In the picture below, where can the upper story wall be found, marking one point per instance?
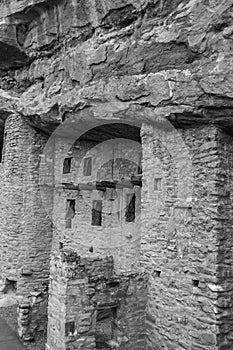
(77, 226)
(108, 161)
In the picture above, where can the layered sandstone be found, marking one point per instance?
(172, 57)
(142, 62)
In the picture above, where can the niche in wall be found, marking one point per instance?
(70, 328)
(10, 286)
(158, 184)
(105, 326)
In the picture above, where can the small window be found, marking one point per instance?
(70, 328)
(87, 166)
(130, 208)
(70, 212)
(139, 170)
(2, 140)
(158, 184)
(1, 150)
(97, 213)
(67, 165)
(195, 283)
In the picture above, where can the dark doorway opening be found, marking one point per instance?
(130, 208)
(96, 213)
(105, 326)
(70, 212)
(2, 137)
(67, 165)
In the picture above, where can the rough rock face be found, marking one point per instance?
(174, 57)
(139, 61)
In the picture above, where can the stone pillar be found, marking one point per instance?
(14, 182)
(26, 234)
(187, 238)
(37, 223)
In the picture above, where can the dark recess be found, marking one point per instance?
(119, 18)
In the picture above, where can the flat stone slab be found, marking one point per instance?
(8, 338)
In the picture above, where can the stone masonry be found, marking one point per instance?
(116, 157)
(86, 287)
(186, 239)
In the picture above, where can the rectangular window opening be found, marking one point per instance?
(2, 139)
(139, 170)
(67, 165)
(70, 212)
(195, 283)
(96, 213)
(70, 328)
(130, 207)
(87, 166)
(1, 150)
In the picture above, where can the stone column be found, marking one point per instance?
(26, 233)
(14, 182)
(27, 229)
(186, 237)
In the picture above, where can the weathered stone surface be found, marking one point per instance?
(85, 48)
(79, 64)
(184, 237)
(84, 287)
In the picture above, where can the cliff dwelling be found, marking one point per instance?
(116, 175)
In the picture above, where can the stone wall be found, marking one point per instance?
(32, 316)
(185, 244)
(12, 195)
(26, 229)
(182, 244)
(223, 221)
(115, 236)
(144, 60)
(90, 307)
(26, 234)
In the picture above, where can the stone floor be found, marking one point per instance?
(8, 338)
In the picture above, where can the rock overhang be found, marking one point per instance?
(165, 61)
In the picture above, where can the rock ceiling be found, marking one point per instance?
(132, 60)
